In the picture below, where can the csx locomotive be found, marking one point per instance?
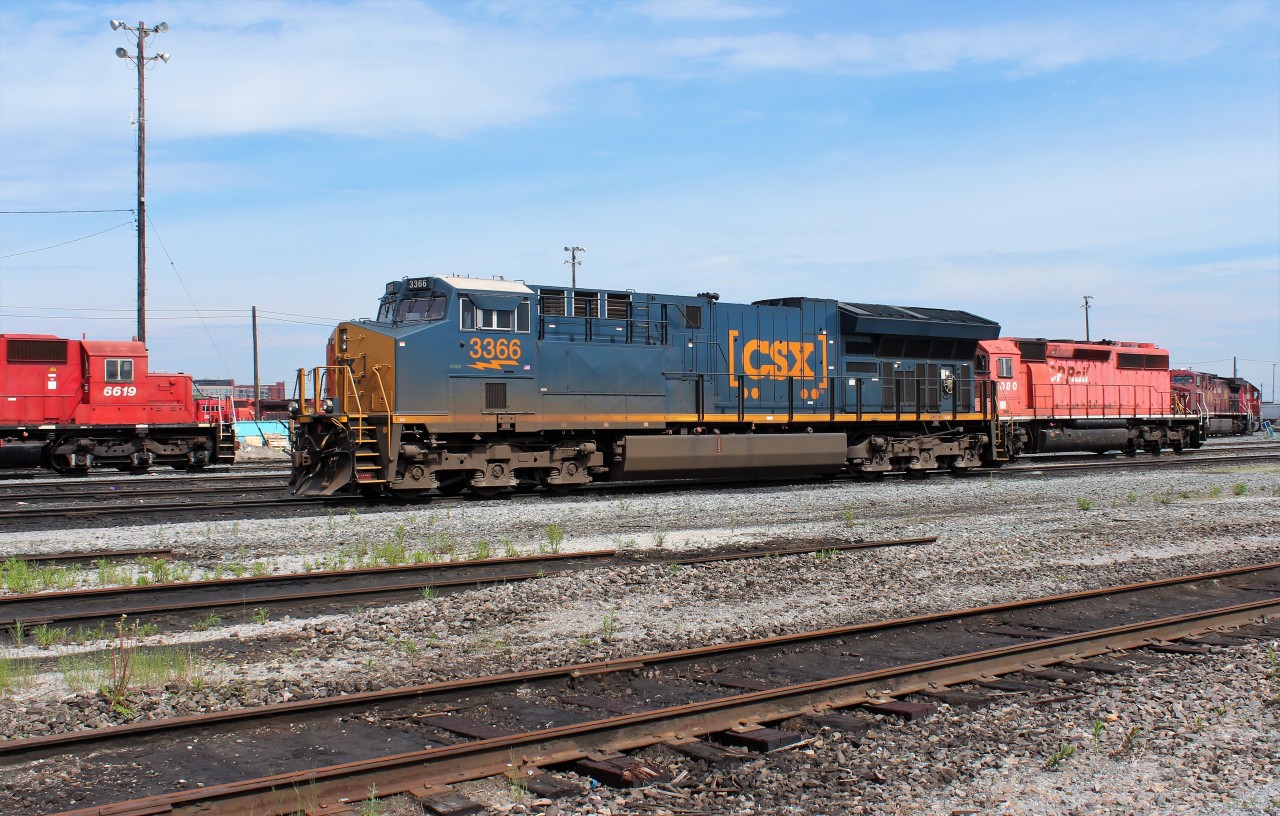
(461, 383)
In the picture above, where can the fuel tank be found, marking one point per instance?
(661, 457)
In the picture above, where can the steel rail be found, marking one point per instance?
(112, 602)
(1020, 467)
(286, 500)
(417, 770)
(248, 484)
(90, 556)
(359, 700)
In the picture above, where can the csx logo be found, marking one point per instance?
(773, 359)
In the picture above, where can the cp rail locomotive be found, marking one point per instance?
(1229, 405)
(461, 383)
(1070, 395)
(70, 405)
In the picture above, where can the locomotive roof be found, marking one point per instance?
(879, 318)
(465, 284)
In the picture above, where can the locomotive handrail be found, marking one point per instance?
(377, 375)
(320, 375)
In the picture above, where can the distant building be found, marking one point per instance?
(242, 393)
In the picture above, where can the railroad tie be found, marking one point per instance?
(852, 728)
(758, 738)
(550, 786)
(715, 755)
(965, 699)
(902, 709)
(1058, 675)
(622, 771)
(1179, 648)
(446, 802)
(1101, 666)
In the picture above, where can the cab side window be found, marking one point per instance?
(1005, 367)
(476, 318)
(119, 370)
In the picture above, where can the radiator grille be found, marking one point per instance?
(495, 396)
(37, 351)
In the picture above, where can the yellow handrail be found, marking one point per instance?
(386, 403)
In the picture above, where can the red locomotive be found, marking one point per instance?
(1226, 405)
(1069, 395)
(73, 404)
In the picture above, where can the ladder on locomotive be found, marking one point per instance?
(640, 322)
(364, 431)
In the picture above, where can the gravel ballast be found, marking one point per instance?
(1204, 729)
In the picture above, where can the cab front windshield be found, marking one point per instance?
(417, 307)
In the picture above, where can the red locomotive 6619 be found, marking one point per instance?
(73, 404)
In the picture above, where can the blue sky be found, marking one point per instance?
(1001, 157)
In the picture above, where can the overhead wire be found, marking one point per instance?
(64, 243)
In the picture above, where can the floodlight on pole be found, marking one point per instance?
(1087, 298)
(140, 61)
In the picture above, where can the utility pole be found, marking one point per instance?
(573, 263)
(257, 389)
(140, 60)
(1087, 298)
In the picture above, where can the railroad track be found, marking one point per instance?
(131, 489)
(239, 598)
(280, 501)
(417, 740)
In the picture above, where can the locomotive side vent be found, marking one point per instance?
(495, 396)
(1151, 362)
(37, 351)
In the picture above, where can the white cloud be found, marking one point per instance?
(391, 69)
(704, 11)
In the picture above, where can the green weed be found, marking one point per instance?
(555, 537)
(608, 625)
(17, 673)
(261, 615)
(1065, 751)
(1084, 504)
(207, 622)
(1239, 488)
(47, 636)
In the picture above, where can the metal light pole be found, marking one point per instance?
(573, 263)
(140, 60)
(1087, 298)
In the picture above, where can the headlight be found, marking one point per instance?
(327, 405)
(294, 408)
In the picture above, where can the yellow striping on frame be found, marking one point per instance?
(779, 418)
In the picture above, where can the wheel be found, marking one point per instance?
(916, 475)
(408, 494)
(453, 486)
(487, 492)
(526, 485)
(560, 489)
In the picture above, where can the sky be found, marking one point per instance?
(1005, 158)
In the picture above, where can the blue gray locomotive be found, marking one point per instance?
(489, 385)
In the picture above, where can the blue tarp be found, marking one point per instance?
(251, 433)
